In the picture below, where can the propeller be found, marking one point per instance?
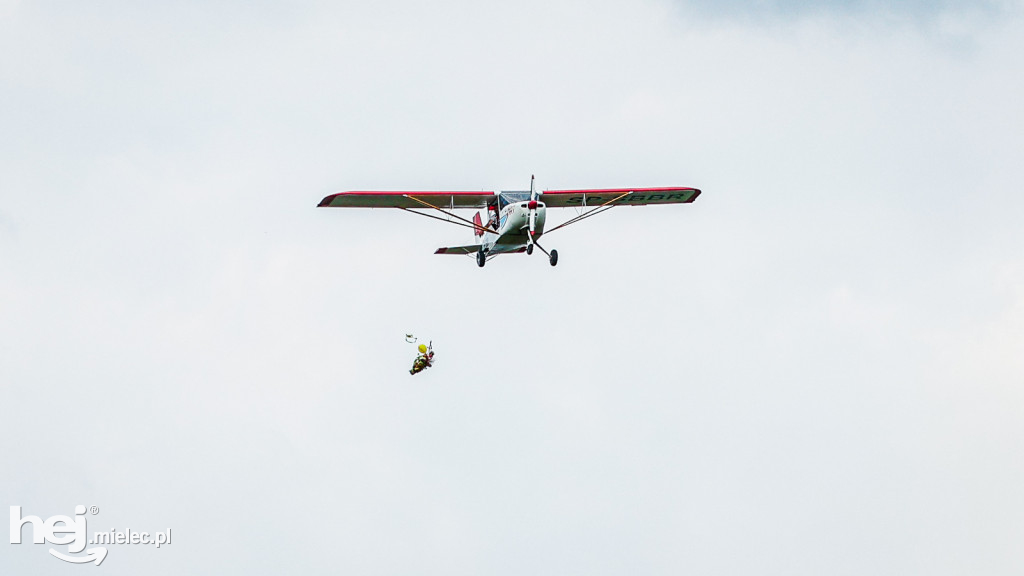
(533, 208)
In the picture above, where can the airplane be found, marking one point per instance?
(516, 219)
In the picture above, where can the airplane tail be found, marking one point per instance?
(478, 231)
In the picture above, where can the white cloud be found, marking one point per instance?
(811, 367)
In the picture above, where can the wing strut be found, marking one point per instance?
(602, 208)
(413, 211)
(468, 223)
(443, 211)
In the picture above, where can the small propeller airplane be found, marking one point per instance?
(515, 218)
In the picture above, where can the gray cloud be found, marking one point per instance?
(909, 9)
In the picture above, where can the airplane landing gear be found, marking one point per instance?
(552, 256)
(529, 249)
(481, 259)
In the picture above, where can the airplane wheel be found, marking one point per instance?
(554, 257)
(481, 259)
(529, 249)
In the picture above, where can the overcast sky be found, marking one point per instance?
(816, 368)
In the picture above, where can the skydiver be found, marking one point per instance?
(424, 360)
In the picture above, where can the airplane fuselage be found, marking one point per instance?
(512, 234)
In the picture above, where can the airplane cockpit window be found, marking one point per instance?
(506, 198)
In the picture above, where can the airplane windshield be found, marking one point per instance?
(506, 198)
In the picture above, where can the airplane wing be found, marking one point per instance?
(411, 199)
(630, 197)
(471, 249)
